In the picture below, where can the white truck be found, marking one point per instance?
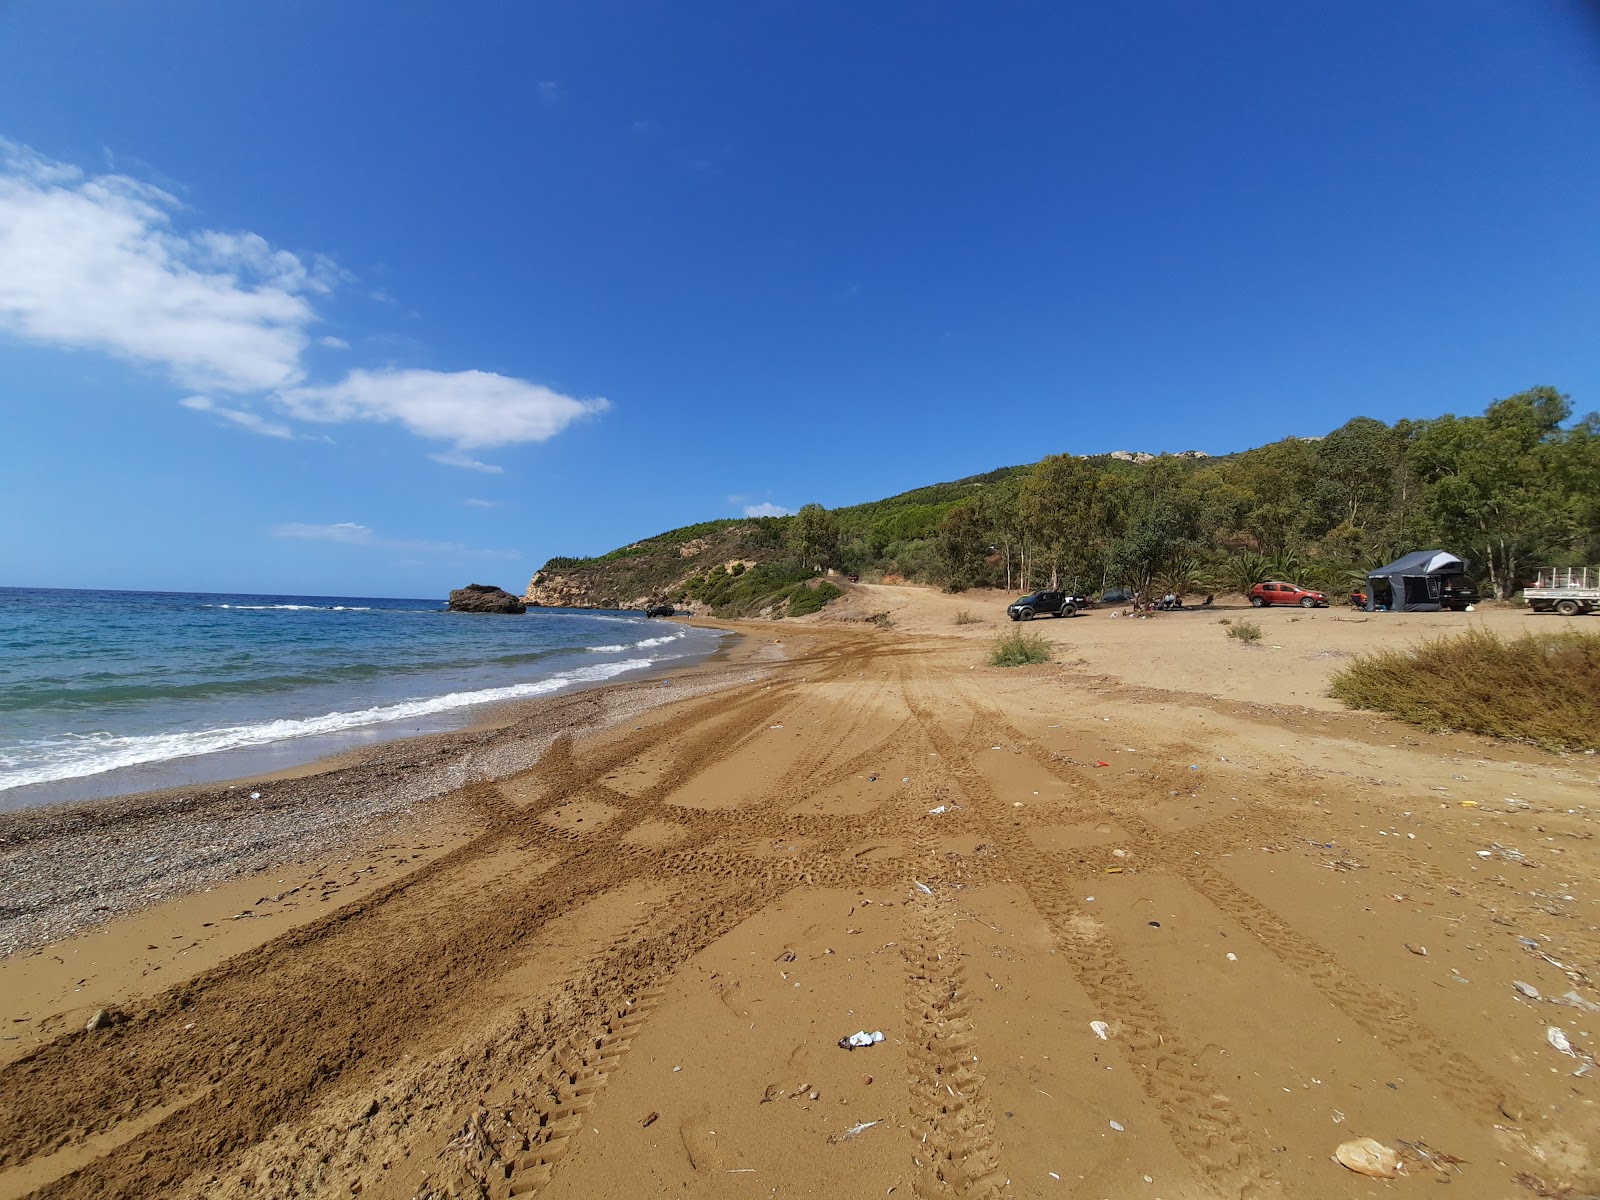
(1565, 590)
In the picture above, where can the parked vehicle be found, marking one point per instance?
(661, 610)
(1046, 604)
(1570, 591)
(1277, 592)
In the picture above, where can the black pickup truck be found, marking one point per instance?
(1046, 604)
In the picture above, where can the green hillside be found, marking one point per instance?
(1516, 487)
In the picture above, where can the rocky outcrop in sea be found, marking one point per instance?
(483, 598)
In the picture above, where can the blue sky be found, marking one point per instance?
(379, 298)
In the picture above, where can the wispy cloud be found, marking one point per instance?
(455, 458)
(473, 409)
(475, 502)
(350, 533)
(240, 417)
(767, 510)
(92, 261)
(97, 262)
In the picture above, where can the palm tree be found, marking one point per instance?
(1242, 571)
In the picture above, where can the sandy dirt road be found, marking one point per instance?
(626, 971)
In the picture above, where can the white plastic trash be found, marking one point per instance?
(860, 1039)
(1101, 1029)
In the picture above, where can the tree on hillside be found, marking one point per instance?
(1494, 483)
(1354, 472)
(1058, 503)
(814, 537)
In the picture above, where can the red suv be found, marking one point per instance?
(1264, 594)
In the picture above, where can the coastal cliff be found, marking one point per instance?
(672, 567)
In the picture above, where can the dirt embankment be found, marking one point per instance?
(1128, 930)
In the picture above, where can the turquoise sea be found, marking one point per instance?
(104, 693)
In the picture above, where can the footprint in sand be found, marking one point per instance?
(700, 1142)
(732, 996)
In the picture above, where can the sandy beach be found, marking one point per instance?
(1159, 919)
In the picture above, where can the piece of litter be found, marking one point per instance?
(1101, 1029)
(1052, 1175)
(255, 795)
(1485, 853)
(922, 887)
(1416, 949)
(1557, 1037)
(1232, 957)
(676, 1069)
(774, 726)
(861, 1038)
(650, 1120)
(934, 812)
(1118, 1127)
(1365, 1156)
(855, 1130)
(1527, 989)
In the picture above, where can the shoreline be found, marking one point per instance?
(82, 864)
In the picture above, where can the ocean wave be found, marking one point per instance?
(74, 756)
(295, 607)
(643, 644)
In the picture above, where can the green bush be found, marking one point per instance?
(1245, 632)
(1539, 688)
(1019, 648)
(805, 599)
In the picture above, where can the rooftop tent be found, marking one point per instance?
(1415, 581)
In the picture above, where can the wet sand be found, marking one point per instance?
(622, 967)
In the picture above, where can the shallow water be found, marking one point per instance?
(109, 692)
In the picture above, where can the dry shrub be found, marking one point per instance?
(964, 617)
(1245, 632)
(1016, 649)
(1539, 688)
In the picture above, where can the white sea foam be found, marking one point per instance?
(74, 756)
(645, 644)
(293, 607)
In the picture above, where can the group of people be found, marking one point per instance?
(1171, 602)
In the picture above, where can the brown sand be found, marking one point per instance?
(624, 971)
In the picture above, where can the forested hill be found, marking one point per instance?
(1516, 487)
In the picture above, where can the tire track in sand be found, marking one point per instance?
(275, 1030)
(1386, 1017)
(1197, 1114)
(958, 1154)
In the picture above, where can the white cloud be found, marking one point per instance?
(767, 510)
(474, 502)
(240, 417)
(93, 262)
(470, 408)
(349, 533)
(343, 531)
(455, 458)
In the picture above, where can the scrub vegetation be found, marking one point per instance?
(1539, 688)
(1516, 487)
(1019, 648)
